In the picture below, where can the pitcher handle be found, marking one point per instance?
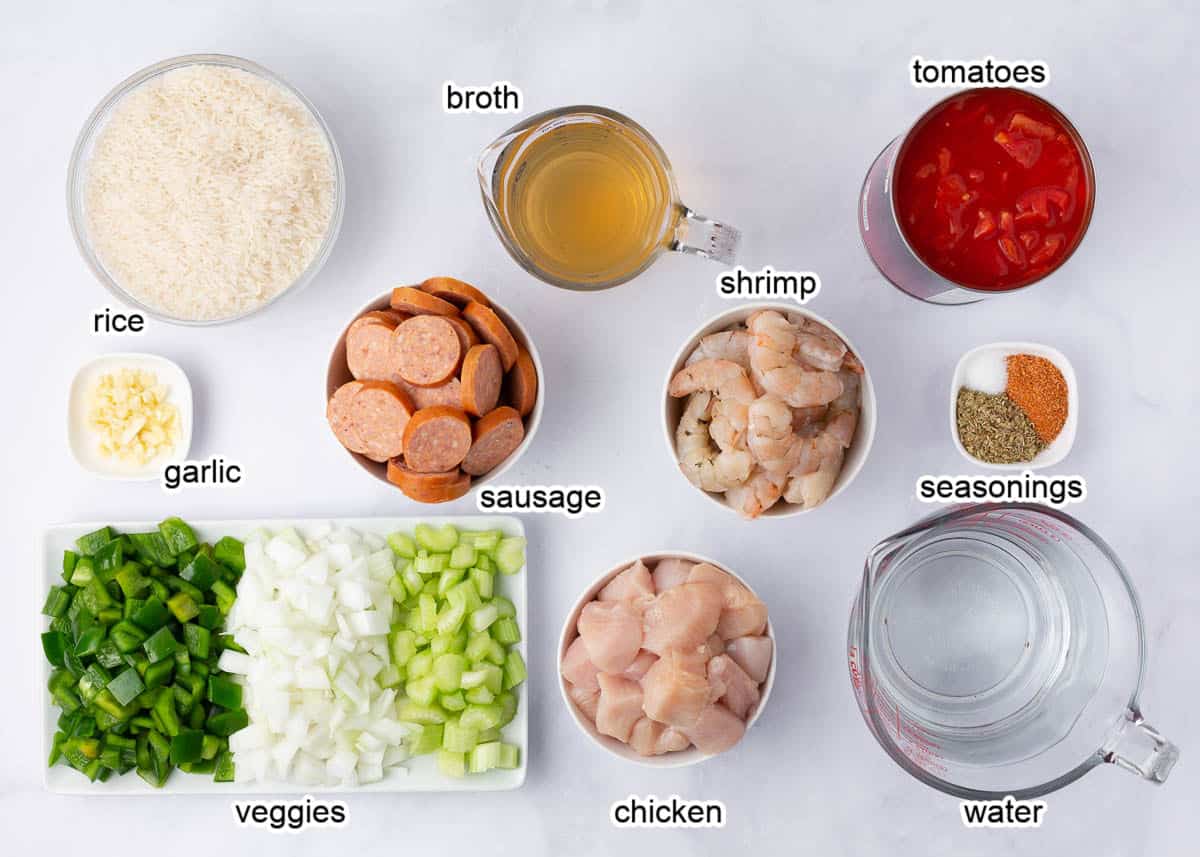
(1141, 749)
(702, 236)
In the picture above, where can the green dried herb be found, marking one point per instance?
(994, 429)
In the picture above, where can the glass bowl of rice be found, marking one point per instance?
(204, 188)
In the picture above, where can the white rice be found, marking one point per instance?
(209, 191)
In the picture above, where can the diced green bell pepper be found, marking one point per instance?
(230, 553)
(126, 636)
(54, 645)
(224, 691)
(196, 639)
(57, 602)
(160, 645)
(152, 615)
(183, 606)
(178, 536)
(91, 542)
(126, 686)
(225, 723)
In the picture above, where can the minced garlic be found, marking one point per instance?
(130, 413)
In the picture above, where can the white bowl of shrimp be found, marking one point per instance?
(768, 410)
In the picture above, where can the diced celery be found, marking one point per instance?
(478, 646)
(483, 540)
(514, 670)
(505, 607)
(495, 653)
(412, 580)
(441, 539)
(453, 701)
(397, 589)
(506, 632)
(428, 607)
(447, 672)
(457, 738)
(452, 764)
(467, 592)
(508, 707)
(489, 735)
(413, 712)
(421, 690)
(485, 582)
(449, 578)
(483, 562)
(420, 664)
(402, 545)
(483, 617)
(481, 717)
(403, 646)
(510, 555)
(485, 757)
(479, 695)
(463, 556)
(390, 676)
(510, 757)
(428, 740)
(474, 677)
(451, 619)
(430, 564)
(493, 677)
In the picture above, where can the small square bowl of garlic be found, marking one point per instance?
(129, 415)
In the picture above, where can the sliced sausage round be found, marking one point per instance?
(416, 302)
(494, 439)
(436, 439)
(428, 487)
(482, 375)
(368, 349)
(449, 393)
(341, 418)
(491, 329)
(380, 412)
(454, 291)
(466, 334)
(426, 350)
(390, 317)
(521, 384)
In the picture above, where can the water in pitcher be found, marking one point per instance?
(990, 641)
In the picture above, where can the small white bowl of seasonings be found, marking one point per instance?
(1014, 406)
(129, 415)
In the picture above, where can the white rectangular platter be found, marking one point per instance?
(419, 774)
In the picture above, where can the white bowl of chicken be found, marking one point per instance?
(768, 410)
(667, 660)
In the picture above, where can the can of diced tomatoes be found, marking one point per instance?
(989, 192)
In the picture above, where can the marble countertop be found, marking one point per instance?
(771, 113)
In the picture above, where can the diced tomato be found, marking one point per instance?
(1023, 150)
(1006, 224)
(925, 171)
(986, 227)
(1012, 251)
(1049, 248)
(1030, 127)
(943, 160)
(975, 175)
(1029, 239)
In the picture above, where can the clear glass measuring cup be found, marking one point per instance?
(999, 649)
(584, 198)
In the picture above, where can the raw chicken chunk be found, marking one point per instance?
(675, 689)
(620, 706)
(640, 665)
(743, 613)
(612, 632)
(646, 737)
(670, 573)
(587, 701)
(738, 691)
(683, 617)
(673, 740)
(577, 667)
(715, 730)
(633, 582)
(752, 654)
(713, 646)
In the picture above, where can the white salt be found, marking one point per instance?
(987, 372)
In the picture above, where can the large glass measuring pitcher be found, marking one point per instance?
(999, 649)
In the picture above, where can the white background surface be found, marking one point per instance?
(771, 116)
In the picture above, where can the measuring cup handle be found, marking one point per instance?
(702, 236)
(1141, 749)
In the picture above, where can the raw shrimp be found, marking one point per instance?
(813, 475)
(706, 466)
(723, 378)
(814, 328)
(723, 345)
(777, 372)
(759, 493)
(770, 434)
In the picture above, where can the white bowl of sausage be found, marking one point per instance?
(680, 758)
(864, 436)
(338, 373)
